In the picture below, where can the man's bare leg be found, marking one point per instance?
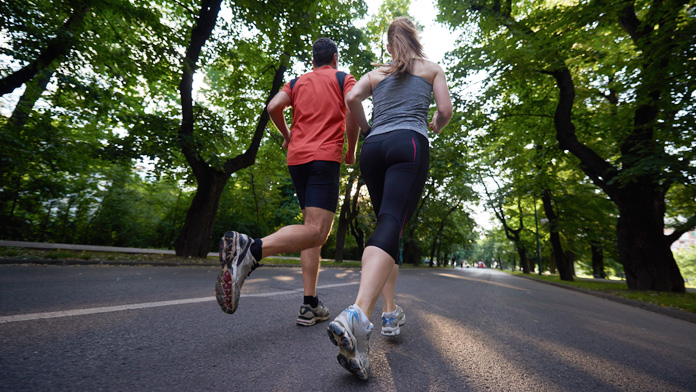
(311, 261)
(295, 238)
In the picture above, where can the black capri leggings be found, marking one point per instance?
(394, 166)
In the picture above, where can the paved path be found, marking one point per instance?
(155, 329)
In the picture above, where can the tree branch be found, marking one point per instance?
(207, 17)
(59, 46)
(681, 229)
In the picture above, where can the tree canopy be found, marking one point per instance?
(143, 124)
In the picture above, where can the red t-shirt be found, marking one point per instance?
(318, 116)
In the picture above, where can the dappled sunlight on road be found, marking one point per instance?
(476, 356)
(285, 278)
(605, 371)
(340, 273)
(380, 368)
(479, 281)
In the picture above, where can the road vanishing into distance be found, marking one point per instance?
(108, 328)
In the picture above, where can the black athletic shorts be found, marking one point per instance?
(317, 184)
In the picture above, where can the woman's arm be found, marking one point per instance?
(443, 101)
(354, 98)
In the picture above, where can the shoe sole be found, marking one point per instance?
(309, 322)
(225, 292)
(346, 342)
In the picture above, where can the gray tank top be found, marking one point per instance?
(401, 103)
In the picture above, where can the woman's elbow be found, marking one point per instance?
(445, 112)
(351, 99)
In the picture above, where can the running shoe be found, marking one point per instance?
(353, 340)
(391, 322)
(237, 263)
(309, 316)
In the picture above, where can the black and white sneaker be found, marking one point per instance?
(309, 316)
(237, 263)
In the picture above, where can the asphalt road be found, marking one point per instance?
(76, 328)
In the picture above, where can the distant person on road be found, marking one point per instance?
(315, 146)
(394, 162)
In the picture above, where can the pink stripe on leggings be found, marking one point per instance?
(414, 148)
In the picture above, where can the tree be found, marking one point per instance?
(285, 20)
(88, 64)
(635, 80)
(348, 214)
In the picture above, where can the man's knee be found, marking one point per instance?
(321, 221)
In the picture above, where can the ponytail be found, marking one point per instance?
(402, 37)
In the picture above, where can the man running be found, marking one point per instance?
(315, 145)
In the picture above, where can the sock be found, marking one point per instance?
(311, 301)
(256, 249)
(390, 313)
(363, 318)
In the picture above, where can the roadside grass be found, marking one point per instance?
(65, 254)
(686, 302)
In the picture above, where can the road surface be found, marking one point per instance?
(75, 328)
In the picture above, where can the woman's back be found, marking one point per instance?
(401, 103)
(419, 67)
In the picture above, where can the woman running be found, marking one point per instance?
(394, 163)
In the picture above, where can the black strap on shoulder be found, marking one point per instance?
(341, 77)
(292, 83)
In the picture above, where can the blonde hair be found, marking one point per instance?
(402, 37)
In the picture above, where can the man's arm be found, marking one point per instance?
(352, 134)
(275, 110)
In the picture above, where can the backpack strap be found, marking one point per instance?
(292, 83)
(341, 77)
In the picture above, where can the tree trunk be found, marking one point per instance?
(643, 248)
(344, 220)
(597, 261)
(412, 252)
(195, 237)
(561, 262)
(358, 234)
(522, 253)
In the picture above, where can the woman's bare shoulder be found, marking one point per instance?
(426, 69)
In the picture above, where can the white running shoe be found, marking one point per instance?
(391, 322)
(353, 340)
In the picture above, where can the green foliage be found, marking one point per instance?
(686, 259)
(378, 25)
(512, 48)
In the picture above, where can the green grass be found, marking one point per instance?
(64, 254)
(685, 301)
